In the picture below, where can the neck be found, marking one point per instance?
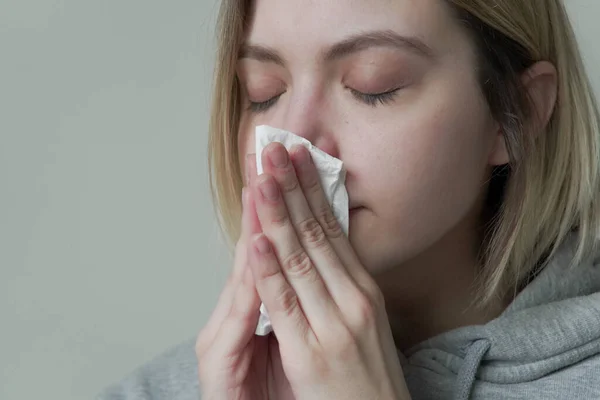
(433, 293)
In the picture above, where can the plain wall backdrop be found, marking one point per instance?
(109, 248)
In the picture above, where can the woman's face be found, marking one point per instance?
(389, 87)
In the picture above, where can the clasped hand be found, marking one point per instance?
(332, 338)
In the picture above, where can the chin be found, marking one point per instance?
(378, 249)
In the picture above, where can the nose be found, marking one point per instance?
(308, 118)
(323, 142)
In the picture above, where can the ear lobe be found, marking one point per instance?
(541, 83)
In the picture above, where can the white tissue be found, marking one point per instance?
(331, 174)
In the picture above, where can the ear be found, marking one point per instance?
(541, 85)
(541, 82)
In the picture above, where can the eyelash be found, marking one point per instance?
(371, 99)
(260, 107)
(375, 99)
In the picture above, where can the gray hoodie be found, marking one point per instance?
(545, 345)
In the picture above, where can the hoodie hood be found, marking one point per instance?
(553, 324)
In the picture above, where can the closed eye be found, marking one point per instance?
(371, 99)
(375, 99)
(260, 107)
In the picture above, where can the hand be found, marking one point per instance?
(233, 363)
(327, 312)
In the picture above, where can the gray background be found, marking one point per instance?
(109, 249)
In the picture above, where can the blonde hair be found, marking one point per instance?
(551, 185)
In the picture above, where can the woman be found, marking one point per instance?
(470, 138)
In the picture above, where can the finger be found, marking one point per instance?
(314, 234)
(296, 265)
(250, 222)
(363, 295)
(225, 301)
(253, 220)
(279, 297)
(250, 171)
(240, 257)
(310, 185)
(250, 226)
(237, 329)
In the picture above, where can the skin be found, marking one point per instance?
(417, 165)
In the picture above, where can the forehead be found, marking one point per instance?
(310, 23)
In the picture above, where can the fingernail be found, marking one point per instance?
(244, 197)
(302, 156)
(269, 190)
(262, 245)
(279, 157)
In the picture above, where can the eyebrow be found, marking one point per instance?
(260, 53)
(346, 47)
(388, 38)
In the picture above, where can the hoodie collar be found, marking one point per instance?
(553, 323)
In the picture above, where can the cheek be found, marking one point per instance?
(424, 173)
(445, 147)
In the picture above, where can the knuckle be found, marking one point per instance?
(280, 219)
(320, 369)
(267, 273)
(345, 347)
(312, 364)
(237, 311)
(239, 317)
(375, 294)
(287, 301)
(365, 313)
(298, 264)
(379, 300)
(289, 183)
(329, 223)
(312, 232)
(311, 184)
(242, 307)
